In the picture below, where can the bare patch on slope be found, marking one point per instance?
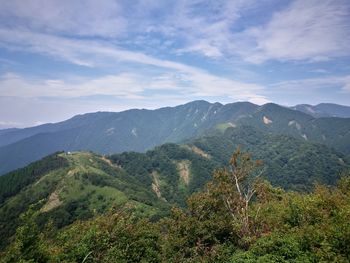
(198, 151)
(295, 123)
(109, 162)
(53, 202)
(266, 120)
(184, 171)
(156, 186)
(71, 172)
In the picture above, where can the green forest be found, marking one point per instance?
(238, 216)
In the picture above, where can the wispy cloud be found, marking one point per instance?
(309, 30)
(335, 83)
(123, 85)
(195, 81)
(81, 52)
(203, 27)
(80, 17)
(306, 30)
(319, 70)
(133, 86)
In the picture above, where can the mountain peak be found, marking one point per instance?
(198, 102)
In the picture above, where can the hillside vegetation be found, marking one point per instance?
(237, 217)
(66, 187)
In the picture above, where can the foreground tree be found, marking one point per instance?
(219, 219)
(236, 187)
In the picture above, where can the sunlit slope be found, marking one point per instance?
(69, 186)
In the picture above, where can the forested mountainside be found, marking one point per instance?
(333, 132)
(237, 217)
(288, 162)
(141, 130)
(66, 187)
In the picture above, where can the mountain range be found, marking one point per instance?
(324, 110)
(147, 161)
(141, 130)
(70, 186)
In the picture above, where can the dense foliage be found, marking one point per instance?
(163, 160)
(236, 218)
(69, 187)
(289, 162)
(12, 183)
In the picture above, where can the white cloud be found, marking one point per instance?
(346, 85)
(204, 48)
(306, 30)
(131, 86)
(304, 86)
(319, 71)
(195, 81)
(81, 52)
(202, 27)
(122, 85)
(78, 17)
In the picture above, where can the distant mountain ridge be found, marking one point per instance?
(324, 110)
(141, 130)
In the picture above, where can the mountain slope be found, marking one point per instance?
(70, 186)
(66, 187)
(9, 136)
(169, 123)
(272, 118)
(133, 130)
(324, 110)
(288, 162)
(141, 130)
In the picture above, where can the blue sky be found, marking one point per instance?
(59, 58)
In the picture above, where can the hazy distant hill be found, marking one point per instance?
(153, 126)
(140, 130)
(324, 110)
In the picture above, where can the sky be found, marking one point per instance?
(59, 58)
